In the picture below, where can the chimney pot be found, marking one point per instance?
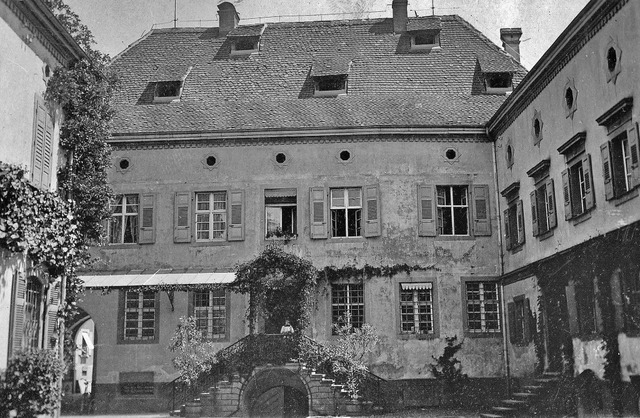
(510, 38)
(229, 18)
(400, 16)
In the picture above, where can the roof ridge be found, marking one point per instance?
(486, 40)
(131, 45)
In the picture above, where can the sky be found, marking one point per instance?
(118, 23)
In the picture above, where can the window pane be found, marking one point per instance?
(131, 229)
(354, 197)
(338, 223)
(459, 195)
(354, 221)
(337, 198)
(461, 224)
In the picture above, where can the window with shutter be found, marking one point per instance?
(42, 149)
(123, 225)
(372, 226)
(281, 213)
(481, 215)
(236, 226)
(426, 209)
(620, 166)
(318, 213)
(182, 217)
(346, 212)
(147, 226)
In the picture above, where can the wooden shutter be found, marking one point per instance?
(426, 211)
(52, 316)
(318, 212)
(236, 215)
(148, 223)
(481, 212)
(182, 217)
(551, 204)
(20, 288)
(572, 309)
(520, 219)
(39, 133)
(511, 317)
(534, 212)
(566, 194)
(372, 227)
(507, 233)
(607, 171)
(588, 182)
(634, 145)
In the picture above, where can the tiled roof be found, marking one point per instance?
(330, 66)
(247, 31)
(389, 85)
(424, 23)
(170, 72)
(497, 63)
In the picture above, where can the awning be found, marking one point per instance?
(415, 286)
(280, 193)
(158, 278)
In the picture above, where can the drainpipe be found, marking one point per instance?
(505, 347)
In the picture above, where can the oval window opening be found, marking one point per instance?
(509, 155)
(211, 161)
(568, 97)
(612, 59)
(345, 155)
(536, 128)
(124, 164)
(281, 158)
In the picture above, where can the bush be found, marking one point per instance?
(30, 385)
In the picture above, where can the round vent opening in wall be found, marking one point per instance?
(612, 59)
(568, 97)
(124, 164)
(281, 158)
(451, 154)
(345, 155)
(211, 161)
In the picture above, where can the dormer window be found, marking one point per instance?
(330, 76)
(169, 81)
(425, 33)
(245, 40)
(245, 46)
(497, 83)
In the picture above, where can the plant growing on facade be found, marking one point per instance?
(280, 285)
(30, 386)
(448, 369)
(195, 355)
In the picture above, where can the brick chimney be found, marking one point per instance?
(400, 16)
(510, 38)
(229, 18)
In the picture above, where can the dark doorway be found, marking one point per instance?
(281, 401)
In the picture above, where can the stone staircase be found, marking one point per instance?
(526, 402)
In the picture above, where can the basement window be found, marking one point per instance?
(498, 83)
(167, 91)
(331, 85)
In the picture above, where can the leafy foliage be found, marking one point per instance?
(195, 356)
(38, 222)
(344, 360)
(333, 274)
(31, 383)
(280, 285)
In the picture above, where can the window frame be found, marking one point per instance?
(285, 236)
(122, 309)
(465, 307)
(521, 321)
(491, 89)
(453, 206)
(433, 303)
(414, 46)
(167, 99)
(210, 214)
(359, 226)
(123, 215)
(192, 309)
(348, 305)
(254, 40)
(342, 79)
(32, 319)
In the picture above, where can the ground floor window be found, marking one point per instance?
(416, 308)
(482, 307)
(347, 305)
(210, 311)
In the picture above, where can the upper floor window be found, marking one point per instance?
(211, 313)
(482, 307)
(543, 203)
(245, 45)
(453, 210)
(521, 322)
(577, 181)
(169, 81)
(219, 216)
(513, 217)
(424, 32)
(138, 316)
(347, 305)
(346, 212)
(211, 216)
(330, 76)
(458, 210)
(123, 225)
(416, 308)
(331, 85)
(280, 213)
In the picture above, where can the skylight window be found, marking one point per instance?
(497, 83)
(245, 45)
(169, 81)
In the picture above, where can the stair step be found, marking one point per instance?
(325, 380)
(557, 374)
(533, 388)
(515, 402)
(504, 409)
(547, 380)
(485, 415)
(524, 394)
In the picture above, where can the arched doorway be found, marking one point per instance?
(80, 376)
(276, 392)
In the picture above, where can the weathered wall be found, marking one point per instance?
(595, 96)
(21, 79)
(522, 358)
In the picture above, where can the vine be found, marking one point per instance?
(367, 271)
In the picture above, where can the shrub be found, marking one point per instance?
(30, 385)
